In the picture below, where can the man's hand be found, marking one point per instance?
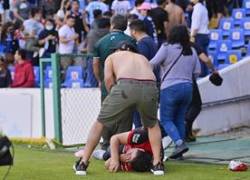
(114, 166)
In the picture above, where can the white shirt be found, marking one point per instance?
(93, 5)
(31, 25)
(121, 7)
(200, 19)
(66, 32)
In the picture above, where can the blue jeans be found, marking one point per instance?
(174, 102)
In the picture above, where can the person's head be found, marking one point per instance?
(50, 24)
(124, 46)
(144, 8)
(172, 1)
(3, 64)
(36, 13)
(140, 160)
(138, 2)
(137, 28)
(20, 55)
(97, 13)
(7, 28)
(66, 5)
(70, 21)
(118, 22)
(75, 5)
(107, 14)
(179, 35)
(161, 2)
(103, 23)
(196, 1)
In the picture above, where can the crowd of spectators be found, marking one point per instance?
(43, 27)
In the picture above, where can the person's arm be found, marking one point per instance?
(84, 22)
(96, 69)
(109, 74)
(115, 142)
(196, 19)
(159, 57)
(16, 14)
(204, 58)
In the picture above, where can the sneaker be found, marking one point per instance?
(179, 150)
(158, 169)
(80, 168)
(98, 154)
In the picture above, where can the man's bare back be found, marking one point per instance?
(126, 64)
(175, 16)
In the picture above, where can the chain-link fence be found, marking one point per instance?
(76, 97)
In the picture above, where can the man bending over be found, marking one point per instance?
(131, 83)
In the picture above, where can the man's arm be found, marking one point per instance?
(109, 74)
(96, 69)
(204, 58)
(115, 142)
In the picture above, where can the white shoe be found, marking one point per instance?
(166, 142)
(98, 154)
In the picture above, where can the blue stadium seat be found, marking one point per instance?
(226, 24)
(246, 6)
(248, 49)
(74, 77)
(238, 15)
(36, 70)
(233, 56)
(90, 79)
(222, 48)
(237, 38)
(12, 71)
(215, 36)
(48, 77)
(245, 25)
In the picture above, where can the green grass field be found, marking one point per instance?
(35, 164)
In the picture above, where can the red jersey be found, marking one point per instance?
(137, 138)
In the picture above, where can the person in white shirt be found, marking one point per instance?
(95, 4)
(67, 41)
(199, 29)
(121, 7)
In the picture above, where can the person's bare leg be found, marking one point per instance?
(92, 141)
(154, 135)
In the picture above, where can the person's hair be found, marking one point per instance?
(34, 11)
(125, 46)
(22, 53)
(179, 35)
(119, 22)
(132, 17)
(5, 28)
(103, 23)
(138, 2)
(160, 2)
(51, 21)
(107, 14)
(173, 1)
(70, 17)
(142, 162)
(4, 62)
(75, 1)
(97, 13)
(137, 25)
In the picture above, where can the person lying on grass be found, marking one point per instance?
(133, 149)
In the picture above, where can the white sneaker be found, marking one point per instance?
(98, 154)
(166, 142)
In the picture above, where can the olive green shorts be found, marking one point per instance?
(126, 94)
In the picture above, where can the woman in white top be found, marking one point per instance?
(199, 29)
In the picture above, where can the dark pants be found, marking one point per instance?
(202, 40)
(194, 109)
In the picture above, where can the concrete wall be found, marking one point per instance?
(223, 117)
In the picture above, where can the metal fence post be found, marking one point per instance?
(42, 99)
(56, 85)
